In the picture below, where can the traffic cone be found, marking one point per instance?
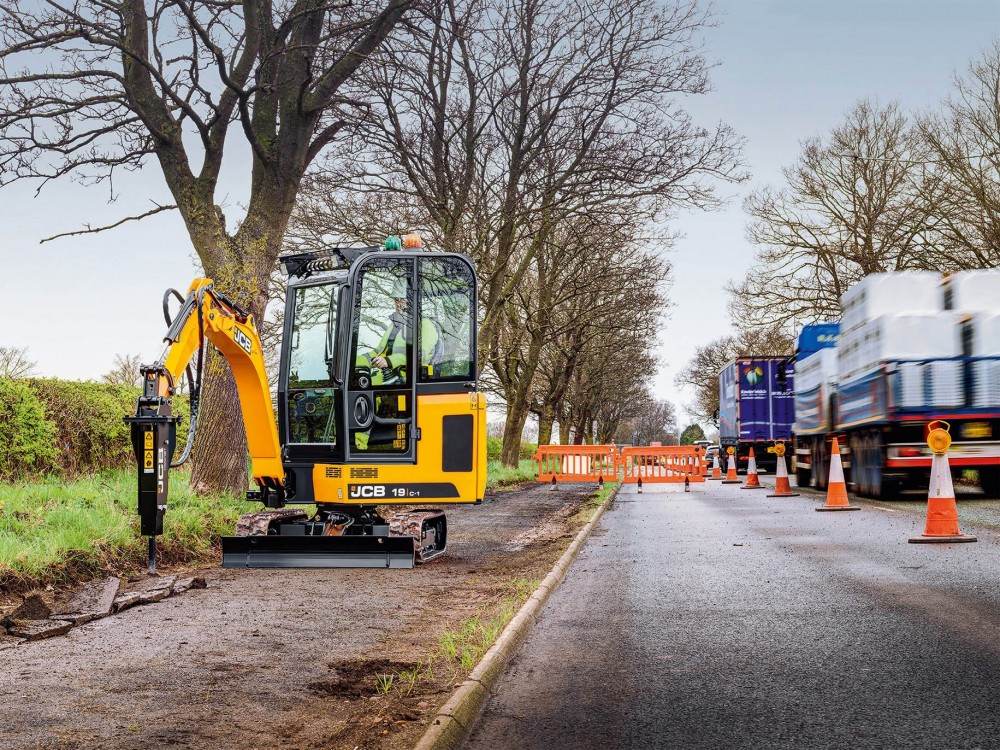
(731, 471)
(836, 493)
(753, 481)
(716, 471)
(782, 488)
(942, 511)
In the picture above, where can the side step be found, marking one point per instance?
(299, 551)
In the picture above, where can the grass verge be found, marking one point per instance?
(498, 475)
(54, 531)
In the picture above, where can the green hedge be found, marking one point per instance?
(494, 449)
(27, 438)
(76, 427)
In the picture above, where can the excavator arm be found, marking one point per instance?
(205, 315)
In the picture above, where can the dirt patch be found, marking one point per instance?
(285, 658)
(359, 678)
(34, 607)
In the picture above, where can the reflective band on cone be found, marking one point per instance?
(731, 471)
(782, 488)
(942, 511)
(753, 481)
(836, 494)
(716, 471)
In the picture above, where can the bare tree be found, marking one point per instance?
(499, 128)
(14, 362)
(125, 371)
(964, 141)
(702, 372)
(598, 318)
(853, 205)
(654, 421)
(92, 88)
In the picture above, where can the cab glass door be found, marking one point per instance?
(380, 399)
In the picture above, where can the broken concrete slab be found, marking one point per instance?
(36, 630)
(156, 583)
(34, 607)
(126, 600)
(186, 584)
(146, 591)
(156, 589)
(7, 641)
(91, 601)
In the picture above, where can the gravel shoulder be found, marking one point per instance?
(283, 658)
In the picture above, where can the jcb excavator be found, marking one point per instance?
(378, 404)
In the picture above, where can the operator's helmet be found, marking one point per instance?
(399, 288)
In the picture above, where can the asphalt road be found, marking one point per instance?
(725, 619)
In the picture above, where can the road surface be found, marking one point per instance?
(722, 618)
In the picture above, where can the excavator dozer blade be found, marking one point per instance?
(295, 551)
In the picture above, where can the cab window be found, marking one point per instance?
(382, 348)
(310, 394)
(447, 311)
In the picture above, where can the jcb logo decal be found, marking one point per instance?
(243, 340)
(366, 490)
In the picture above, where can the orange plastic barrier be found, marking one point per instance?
(575, 463)
(654, 464)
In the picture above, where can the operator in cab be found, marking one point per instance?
(389, 360)
(390, 355)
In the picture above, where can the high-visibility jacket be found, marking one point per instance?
(392, 346)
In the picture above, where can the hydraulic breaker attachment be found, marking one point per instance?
(154, 436)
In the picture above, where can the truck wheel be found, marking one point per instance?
(989, 481)
(803, 476)
(821, 461)
(857, 475)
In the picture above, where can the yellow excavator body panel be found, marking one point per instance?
(449, 469)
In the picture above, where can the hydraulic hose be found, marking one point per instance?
(195, 396)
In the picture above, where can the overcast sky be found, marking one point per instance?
(788, 69)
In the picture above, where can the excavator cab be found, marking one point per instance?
(377, 405)
(378, 376)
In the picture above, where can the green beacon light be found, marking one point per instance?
(393, 243)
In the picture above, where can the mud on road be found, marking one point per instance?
(282, 658)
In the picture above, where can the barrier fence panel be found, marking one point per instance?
(575, 463)
(655, 464)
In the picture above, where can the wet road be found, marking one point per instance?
(725, 619)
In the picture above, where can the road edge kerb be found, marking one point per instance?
(455, 719)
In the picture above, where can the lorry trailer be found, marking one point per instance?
(756, 408)
(913, 348)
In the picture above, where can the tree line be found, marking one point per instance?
(543, 138)
(884, 190)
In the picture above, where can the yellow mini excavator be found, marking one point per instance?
(378, 404)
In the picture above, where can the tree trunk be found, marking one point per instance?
(220, 456)
(513, 429)
(545, 422)
(564, 432)
(241, 269)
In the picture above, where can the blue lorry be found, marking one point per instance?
(756, 408)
